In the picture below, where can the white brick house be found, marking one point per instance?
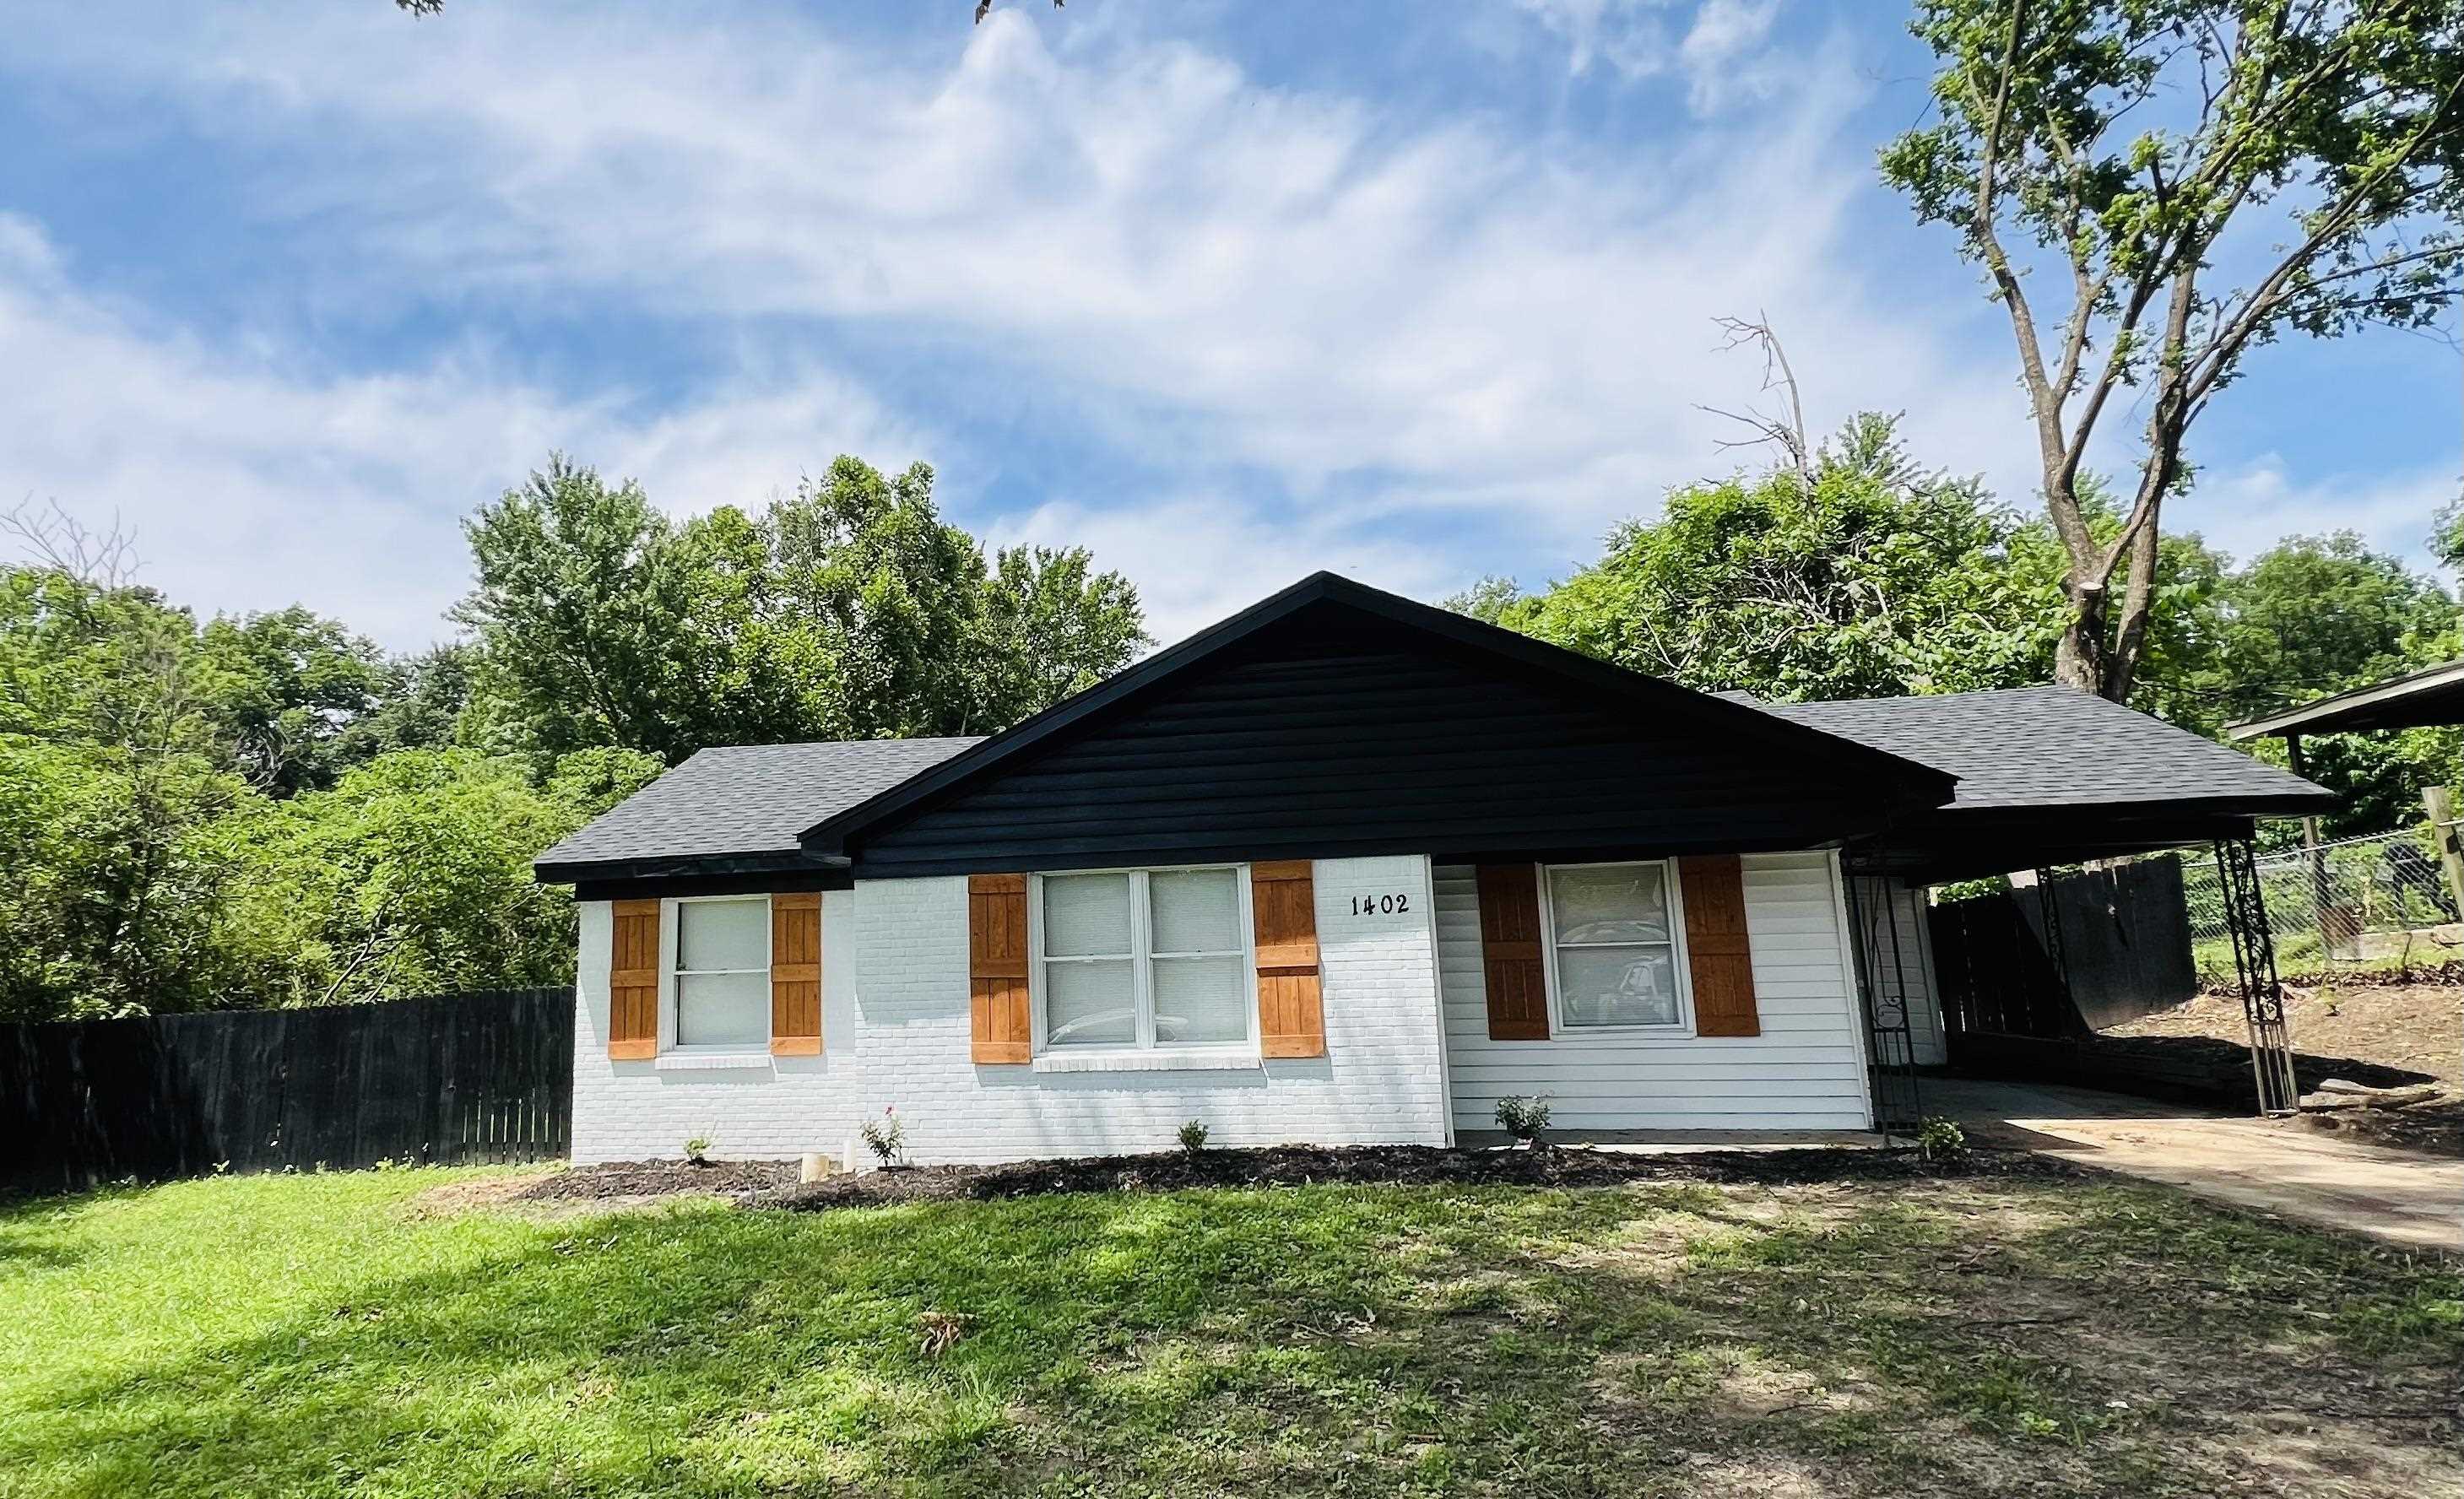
(1341, 870)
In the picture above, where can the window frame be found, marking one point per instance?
(1680, 959)
(670, 942)
(1141, 959)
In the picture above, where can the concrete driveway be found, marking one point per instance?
(2277, 1166)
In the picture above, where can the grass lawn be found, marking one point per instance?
(330, 1334)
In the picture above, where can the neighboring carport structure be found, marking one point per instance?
(2050, 776)
(2431, 699)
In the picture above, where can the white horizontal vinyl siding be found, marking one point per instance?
(1805, 1070)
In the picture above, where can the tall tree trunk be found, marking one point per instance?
(2138, 611)
(2080, 659)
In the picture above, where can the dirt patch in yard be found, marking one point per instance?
(2383, 1035)
(2411, 1027)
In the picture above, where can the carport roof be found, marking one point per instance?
(2048, 747)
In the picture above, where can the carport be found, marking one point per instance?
(2048, 777)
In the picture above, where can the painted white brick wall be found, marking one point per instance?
(633, 1110)
(1806, 1071)
(895, 1031)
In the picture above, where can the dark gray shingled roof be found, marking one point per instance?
(2051, 746)
(2018, 748)
(748, 798)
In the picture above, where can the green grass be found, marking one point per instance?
(321, 1334)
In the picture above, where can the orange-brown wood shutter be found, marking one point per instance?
(1283, 911)
(1509, 952)
(1003, 1019)
(1716, 950)
(796, 975)
(633, 982)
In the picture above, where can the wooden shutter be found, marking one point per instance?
(796, 975)
(633, 982)
(1003, 1020)
(1716, 950)
(1283, 911)
(1510, 958)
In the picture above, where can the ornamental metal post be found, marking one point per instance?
(2262, 992)
(1896, 1107)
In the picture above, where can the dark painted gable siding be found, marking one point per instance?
(1312, 740)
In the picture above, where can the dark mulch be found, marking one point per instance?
(2436, 1129)
(663, 1178)
(1301, 1165)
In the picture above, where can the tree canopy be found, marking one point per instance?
(849, 609)
(266, 809)
(1862, 573)
(2156, 188)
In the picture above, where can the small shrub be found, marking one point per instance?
(1524, 1118)
(1940, 1139)
(697, 1149)
(1193, 1136)
(886, 1136)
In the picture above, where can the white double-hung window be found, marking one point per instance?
(719, 973)
(1143, 958)
(1615, 954)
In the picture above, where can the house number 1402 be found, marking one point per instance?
(1379, 905)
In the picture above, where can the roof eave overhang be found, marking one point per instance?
(2351, 712)
(592, 871)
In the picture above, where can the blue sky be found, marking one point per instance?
(1226, 292)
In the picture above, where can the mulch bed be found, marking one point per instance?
(1304, 1165)
(771, 1183)
(630, 1179)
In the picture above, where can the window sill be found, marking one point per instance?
(1148, 1062)
(712, 1061)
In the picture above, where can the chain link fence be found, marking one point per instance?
(2379, 901)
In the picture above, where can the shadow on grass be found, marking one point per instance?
(1276, 1340)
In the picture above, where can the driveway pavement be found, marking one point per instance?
(2278, 1166)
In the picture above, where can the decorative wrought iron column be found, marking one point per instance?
(2262, 992)
(1897, 1109)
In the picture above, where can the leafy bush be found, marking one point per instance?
(1193, 1136)
(697, 1149)
(1524, 1118)
(1940, 1139)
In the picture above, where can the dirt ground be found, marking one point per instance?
(2379, 1034)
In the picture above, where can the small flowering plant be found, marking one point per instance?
(886, 1136)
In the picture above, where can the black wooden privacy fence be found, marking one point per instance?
(456, 1077)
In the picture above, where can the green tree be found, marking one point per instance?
(2142, 151)
(412, 875)
(112, 778)
(296, 687)
(849, 609)
(420, 704)
(2313, 616)
(1874, 579)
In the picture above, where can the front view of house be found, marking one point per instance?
(1343, 869)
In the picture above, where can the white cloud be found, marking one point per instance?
(2246, 509)
(252, 482)
(1265, 296)
(1629, 35)
(1722, 53)
(1200, 558)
